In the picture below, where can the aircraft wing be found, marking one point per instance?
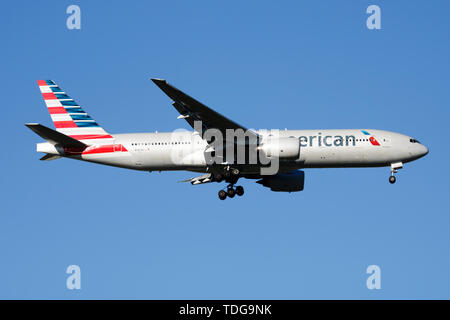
(192, 110)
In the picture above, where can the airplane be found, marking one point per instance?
(78, 136)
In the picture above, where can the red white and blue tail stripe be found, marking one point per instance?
(68, 117)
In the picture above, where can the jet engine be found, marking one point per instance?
(283, 148)
(287, 182)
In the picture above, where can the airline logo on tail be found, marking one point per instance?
(372, 140)
(67, 116)
(72, 121)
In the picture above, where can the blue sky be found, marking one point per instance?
(265, 64)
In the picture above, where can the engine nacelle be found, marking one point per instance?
(287, 182)
(283, 148)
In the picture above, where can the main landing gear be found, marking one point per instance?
(231, 192)
(231, 176)
(394, 167)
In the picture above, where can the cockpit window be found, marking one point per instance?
(414, 141)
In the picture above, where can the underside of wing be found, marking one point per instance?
(199, 180)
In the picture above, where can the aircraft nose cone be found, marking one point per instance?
(423, 150)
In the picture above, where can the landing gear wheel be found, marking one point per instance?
(222, 195)
(239, 190)
(231, 192)
(392, 179)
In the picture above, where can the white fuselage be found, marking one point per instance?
(318, 149)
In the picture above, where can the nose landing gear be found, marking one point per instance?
(394, 168)
(392, 178)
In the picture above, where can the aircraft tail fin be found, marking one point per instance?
(68, 117)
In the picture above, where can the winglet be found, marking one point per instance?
(159, 82)
(163, 85)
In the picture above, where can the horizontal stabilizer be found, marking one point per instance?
(49, 157)
(55, 137)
